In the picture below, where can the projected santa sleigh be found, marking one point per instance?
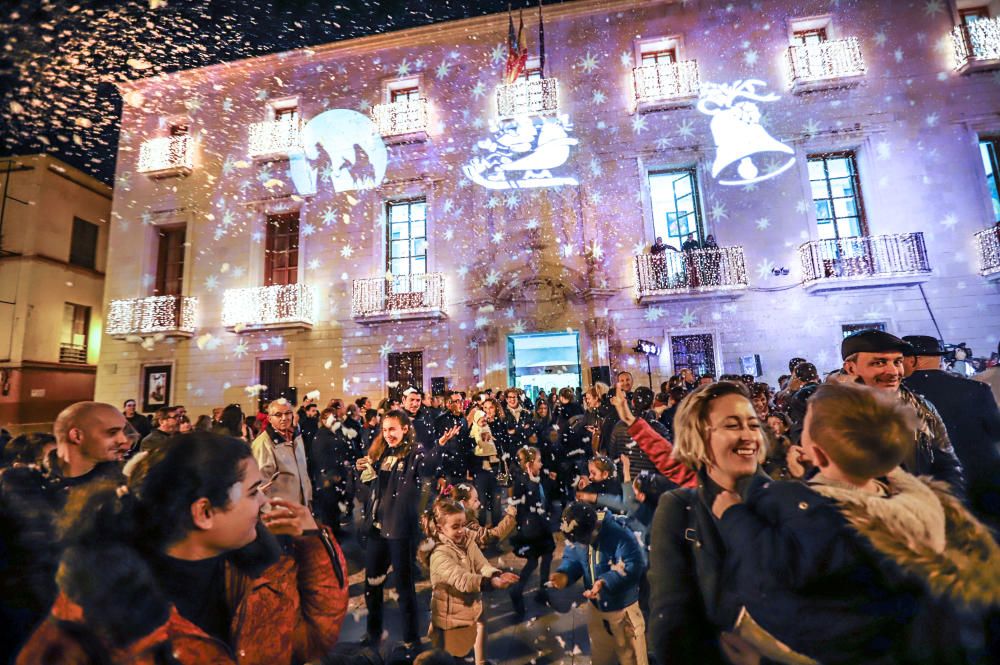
(522, 154)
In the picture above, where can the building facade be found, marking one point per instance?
(360, 216)
(53, 258)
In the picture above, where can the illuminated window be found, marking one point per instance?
(808, 37)
(281, 252)
(674, 199)
(655, 57)
(73, 339)
(180, 129)
(83, 244)
(694, 352)
(836, 194)
(850, 328)
(170, 261)
(286, 114)
(989, 149)
(973, 14)
(407, 238)
(406, 370)
(275, 375)
(404, 95)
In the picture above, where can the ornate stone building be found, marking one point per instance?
(362, 215)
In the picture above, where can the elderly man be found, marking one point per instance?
(280, 450)
(90, 443)
(971, 416)
(165, 420)
(875, 358)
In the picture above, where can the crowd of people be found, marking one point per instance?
(846, 518)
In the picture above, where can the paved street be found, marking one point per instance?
(545, 636)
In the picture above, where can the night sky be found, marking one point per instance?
(60, 59)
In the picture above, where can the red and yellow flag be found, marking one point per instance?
(517, 50)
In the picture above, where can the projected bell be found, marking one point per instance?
(741, 141)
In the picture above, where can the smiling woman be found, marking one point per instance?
(718, 436)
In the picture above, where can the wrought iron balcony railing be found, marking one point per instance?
(167, 155)
(528, 97)
(977, 44)
(860, 258)
(404, 296)
(402, 118)
(666, 81)
(676, 274)
(988, 248)
(172, 316)
(830, 62)
(75, 354)
(278, 306)
(274, 137)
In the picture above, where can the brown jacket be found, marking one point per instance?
(458, 575)
(292, 612)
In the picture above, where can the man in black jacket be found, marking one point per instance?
(455, 458)
(875, 358)
(90, 443)
(971, 416)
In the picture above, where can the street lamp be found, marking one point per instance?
(649, 349)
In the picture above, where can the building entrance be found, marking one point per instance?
(544, 360)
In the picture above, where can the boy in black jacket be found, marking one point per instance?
(864, 561)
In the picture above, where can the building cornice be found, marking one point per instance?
(424, 35)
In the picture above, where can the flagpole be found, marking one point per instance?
(541, 41)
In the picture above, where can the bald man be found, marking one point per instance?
(90, 443)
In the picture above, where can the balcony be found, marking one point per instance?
(402, 120)
(864, 262)
(167, 156)
(274, 138)
(524, 97)
(977, 45)
(170, 316)
(831, 64)
(403, 297)
(694, 275)
(665, 85)
(988, 248)
(282, 306)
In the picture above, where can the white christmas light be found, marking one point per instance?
(864, 256)
(834, 59)
(528, 97)
(166, 153)
(979, 40)
(988, 246)
(400, 294)
(264, 306)
(156, 314)
(401, 117)
(665, 81)
(275, 137)
(699, 270)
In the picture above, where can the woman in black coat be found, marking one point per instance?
(693, 605)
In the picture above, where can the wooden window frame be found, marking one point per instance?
(800, 36)
(656, 56)
(164, 279)
(852, 156)
(287, 274)
(408, 94)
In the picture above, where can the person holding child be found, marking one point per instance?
(864, 562)
(459, 574)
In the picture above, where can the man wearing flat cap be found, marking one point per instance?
(875, 358)
(970, 414)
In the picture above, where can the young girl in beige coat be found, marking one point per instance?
(459, 575)
(465, 495)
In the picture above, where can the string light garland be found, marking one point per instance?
(166, 153)
(156, 314)
(834, 59)
(699, 270)
(396, 295)
(528, 97)
(401, 117)
(988, 246)
(274, 137)
(666, 80)
(864, 256)
(262, 306)
(976, 41)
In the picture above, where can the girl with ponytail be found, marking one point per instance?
(180, 566)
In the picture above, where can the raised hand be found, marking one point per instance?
(287, 518)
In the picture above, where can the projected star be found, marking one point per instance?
(403, 69)
(385, 350)
(764, 269)
(479, 89)
(686, 129)
(653, 313)
(638, 123)
(498, 54)
(346, 251)
(442, 70)
(763, 223)
(588, 63)
(687, 318)
(932, 7)
(949, 221)
(598, 97)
